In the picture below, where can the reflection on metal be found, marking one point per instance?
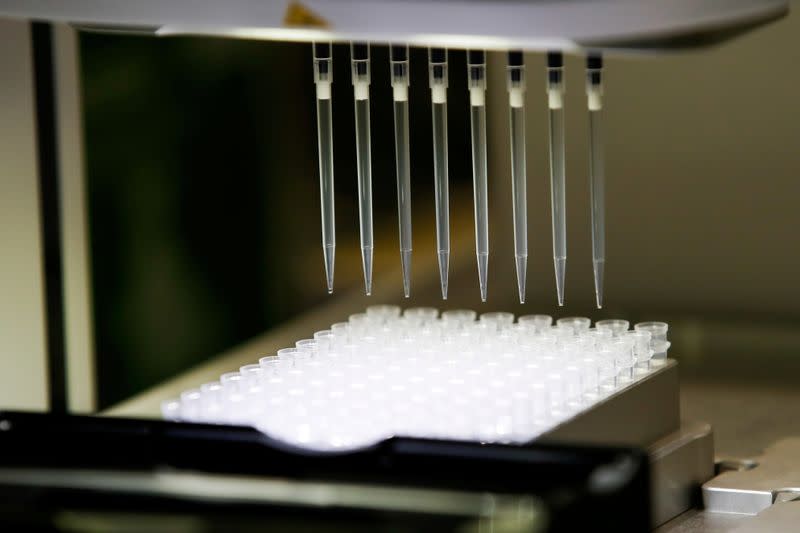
(776, 477)
(679, 464)
(481, 512)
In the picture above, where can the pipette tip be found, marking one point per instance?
(329, 252)
(599, 268)
(561, 267)
(405, 262)
(522, 268)
(366, 261)
(444, 267)
(483, 271)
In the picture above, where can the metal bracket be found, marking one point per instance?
(773, 477)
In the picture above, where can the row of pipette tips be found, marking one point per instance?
(476, 65)
(422, 374)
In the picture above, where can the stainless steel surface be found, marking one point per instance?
(680, 463)
(504, 24)
(752, 490)
(638, 415)
(779, 518)
(747, 417)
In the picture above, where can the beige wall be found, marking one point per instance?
(22, 349)
(703, 179)
(23, 363)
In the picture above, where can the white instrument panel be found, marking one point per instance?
(646, 25)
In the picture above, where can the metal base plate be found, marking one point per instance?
(759, 483)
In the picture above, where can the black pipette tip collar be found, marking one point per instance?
(594, 61)
(360, 51)
(476, 57)
(515, 58)
(322, 50)
(438, 55)
(399, 52)
(555, 59)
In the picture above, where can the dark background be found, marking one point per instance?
(204, 196)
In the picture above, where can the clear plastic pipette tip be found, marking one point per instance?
(476, 79)
(323, 77)
(522, 268)
(516, 101)
(483, 273)
(330, 253)
(555, 101)
(399, 60)
(444, 266)
(561, 267)
(366, 262)
(599, 267)
(405, 263)
(437, 72)
(594, 94)
(361, 79)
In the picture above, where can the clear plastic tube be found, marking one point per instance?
(437, 66)
(323, 78)
(400, 80)
(555, 92)
(419, 375)
(476, 79)
(594, 93)
(516, 101)
(359, 54)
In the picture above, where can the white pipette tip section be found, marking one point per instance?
(555, 98)
(439, 94)
(417, 374)
(477, 96)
